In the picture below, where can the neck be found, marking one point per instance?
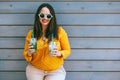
(44, 28)
(43, 38)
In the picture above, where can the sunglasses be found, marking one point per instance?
(48, 16)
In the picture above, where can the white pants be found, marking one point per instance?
(33, 73)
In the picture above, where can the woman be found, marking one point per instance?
(46, 63)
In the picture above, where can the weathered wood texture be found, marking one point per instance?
(93, 27)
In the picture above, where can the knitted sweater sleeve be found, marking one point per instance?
(64, 43)
(27, 58)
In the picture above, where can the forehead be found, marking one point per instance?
(45, 10)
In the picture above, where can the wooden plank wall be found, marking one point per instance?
(94, 33)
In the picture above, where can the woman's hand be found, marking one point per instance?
(30, 49)
(55, 52)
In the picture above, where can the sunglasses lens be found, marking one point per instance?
(49, 16)
(42, 15)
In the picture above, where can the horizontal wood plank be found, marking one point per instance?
(11, 54)
(93, 54)
(78, 65)
(92, 65)
(70, 76)
(94, 43)
(76, 54)
(12, 76)
(63, 19)
(93, 31)
(8, 65)
(12, 42)
(87, 43)
(69, 7)
(72, 31)
(61, 0)
(93, 76)
(14, 31)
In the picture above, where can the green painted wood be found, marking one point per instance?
(72, 31)
(70, 76)
(17, 65)
(63, 19)
(69, 7)
(76, 54)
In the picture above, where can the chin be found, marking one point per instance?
(45, 24)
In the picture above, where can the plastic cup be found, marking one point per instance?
(52, 46)
(33, 42)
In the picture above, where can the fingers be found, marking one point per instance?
(55, 53)
(31, 49)
(31, 46)
(55, 48)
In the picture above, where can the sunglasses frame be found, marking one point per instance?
(45, 16)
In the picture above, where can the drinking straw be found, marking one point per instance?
(52, 41)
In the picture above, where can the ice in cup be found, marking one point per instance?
(33, 42)
(52, 46)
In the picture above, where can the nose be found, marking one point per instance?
(45, 17)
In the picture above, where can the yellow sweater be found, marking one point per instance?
(42, 59)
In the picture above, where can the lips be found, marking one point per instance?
(45, 21)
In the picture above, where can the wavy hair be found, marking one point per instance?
(52, 27)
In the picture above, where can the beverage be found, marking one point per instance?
(33, 42)
(52, 46)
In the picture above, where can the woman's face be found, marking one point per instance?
(45, 16)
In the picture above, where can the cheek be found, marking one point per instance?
(40, 20)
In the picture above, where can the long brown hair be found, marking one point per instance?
(52, 26)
